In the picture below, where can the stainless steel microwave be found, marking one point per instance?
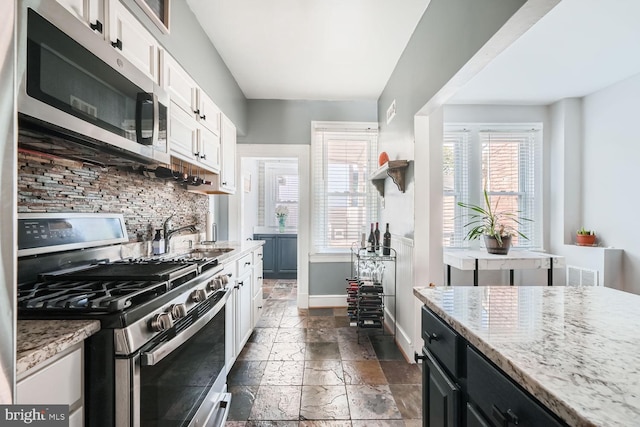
(79, 97)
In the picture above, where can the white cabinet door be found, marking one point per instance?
(133, 40)
(89, 12)
(257, 291)
(209, 150)
(179, 84)
(228, 166)
(244, 311)
(208, 112)
(182, 133)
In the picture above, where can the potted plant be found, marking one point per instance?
(497, 227)
(585, 237)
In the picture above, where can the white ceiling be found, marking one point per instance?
(310, 49)
(347, 50)
(579, 47)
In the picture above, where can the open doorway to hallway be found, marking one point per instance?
(271, 211)
(275, 177)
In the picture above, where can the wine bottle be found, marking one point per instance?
(386, 242)
(371, 242)
(377, 236)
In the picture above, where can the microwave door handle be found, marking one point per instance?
(142, 100)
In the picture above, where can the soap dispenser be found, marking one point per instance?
(158, 243)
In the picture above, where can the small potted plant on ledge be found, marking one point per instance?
(497, 227)
(585, 237)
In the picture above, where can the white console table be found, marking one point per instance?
(477, 260)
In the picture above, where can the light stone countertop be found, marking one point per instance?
(577, 350)
(38, 340)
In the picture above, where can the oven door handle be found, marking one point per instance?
(150, 358)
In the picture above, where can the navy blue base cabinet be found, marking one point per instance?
(280, 255)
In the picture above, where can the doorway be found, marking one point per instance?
(272, 177)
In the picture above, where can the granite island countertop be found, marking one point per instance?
(577, 350)
(39, 340)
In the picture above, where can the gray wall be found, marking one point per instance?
(273, 121)
(448, 35)
(329, 278)
(188, 43)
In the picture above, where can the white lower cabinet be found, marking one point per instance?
(244, 300)
(257, 286)
(65, 370)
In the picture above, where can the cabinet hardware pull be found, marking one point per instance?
(204, 156)
(224, 182)
(241, 283)
(117, 44)
(196, 111)
(237, 286)
(97, 26)
(505, 419)
(417, 357)
(433, 337)
(203, 117)
(247, 263)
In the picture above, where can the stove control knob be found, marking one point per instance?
(178, 311)
(199, 295)
(224, 279)
(161, 322)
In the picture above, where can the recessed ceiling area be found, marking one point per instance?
(579, 47)
(311, 49)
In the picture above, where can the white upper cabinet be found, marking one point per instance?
(137, 44)
(208, 150)
(89, 12)
(193, 109)
(208, 112)
(183, 133)
(179, 84)
(228, 166)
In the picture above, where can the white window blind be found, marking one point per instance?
(505, 161)
(455, 171)
(280, 181)
(344, 200)
(508, 174)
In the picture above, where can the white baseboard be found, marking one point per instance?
(317, 301)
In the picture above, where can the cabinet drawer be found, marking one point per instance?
(257, 255)
(245, 264)
(442, 341)
(499, 399)
(65, 373)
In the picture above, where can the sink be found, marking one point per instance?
(206, 253)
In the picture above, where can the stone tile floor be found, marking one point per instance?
(310, 368)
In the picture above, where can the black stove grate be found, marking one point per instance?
(100, 296)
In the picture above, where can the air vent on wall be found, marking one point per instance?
(578, 276)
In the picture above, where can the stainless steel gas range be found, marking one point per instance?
(159, 358)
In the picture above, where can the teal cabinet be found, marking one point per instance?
(280, 255)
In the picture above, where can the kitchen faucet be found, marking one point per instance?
(168, 232)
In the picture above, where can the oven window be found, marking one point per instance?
(173, 390)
